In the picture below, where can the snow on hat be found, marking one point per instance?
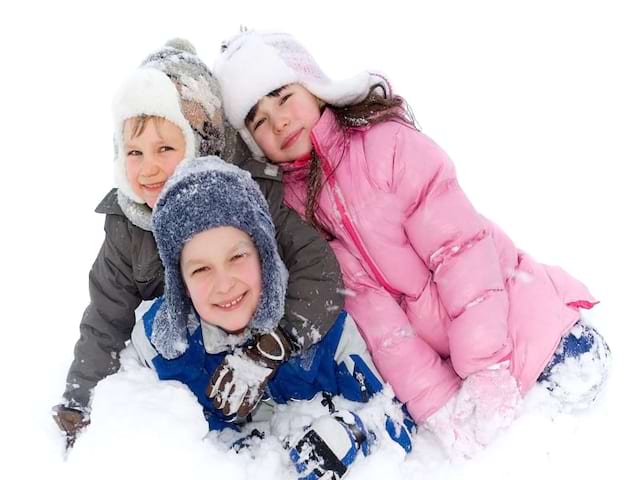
(205, 193)
(253, 64)
(172, 83)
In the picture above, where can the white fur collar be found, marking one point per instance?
(217, 340)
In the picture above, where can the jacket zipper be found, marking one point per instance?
(346, 221)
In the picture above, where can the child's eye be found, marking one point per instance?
(199, 270)
(134, 153)
(166, 148)
(285, 98)
(257, 124)
(238, 256)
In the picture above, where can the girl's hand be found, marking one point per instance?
(487, 403)
(454, 431)
(492, 398)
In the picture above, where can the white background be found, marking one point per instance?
(537, 103)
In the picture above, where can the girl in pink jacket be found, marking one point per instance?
(458, 320)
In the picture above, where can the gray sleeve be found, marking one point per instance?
(142, 347)
(313, 293)
(108, 320)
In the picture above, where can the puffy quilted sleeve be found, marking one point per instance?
(456, 245)
(417, 373)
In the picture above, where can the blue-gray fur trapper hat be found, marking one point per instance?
(205, 193)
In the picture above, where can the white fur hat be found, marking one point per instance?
(254, 64)
(172, 83)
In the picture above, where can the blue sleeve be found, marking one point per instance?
(193, 368)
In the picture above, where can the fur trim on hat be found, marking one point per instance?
(254, 64)
(205, 193)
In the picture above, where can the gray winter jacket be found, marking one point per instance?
(128, 270)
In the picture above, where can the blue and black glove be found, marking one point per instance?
(329, 446)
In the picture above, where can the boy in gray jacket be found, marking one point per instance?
(168, 110)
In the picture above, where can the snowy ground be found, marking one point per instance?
(537, 105)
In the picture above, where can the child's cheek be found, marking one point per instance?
(251, 273)
(262, 140)
(203, 292)
(198, 292)
(132, 167)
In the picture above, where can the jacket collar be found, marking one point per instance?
(109, 204)
(329, 141)
(261, 170)
(217, 340)
(329, 138)
(115, 203)
(138, 213)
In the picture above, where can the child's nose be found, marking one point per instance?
(281, 123)
(223, 283)
(150, 165)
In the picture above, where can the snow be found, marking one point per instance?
(537, 104)
(247, 380)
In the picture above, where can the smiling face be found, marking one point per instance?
(222, 272)
(281, 123)
(153, 149)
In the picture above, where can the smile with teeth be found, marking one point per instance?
(153, 186)
(232, 303)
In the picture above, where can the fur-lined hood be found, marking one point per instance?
(205, 193)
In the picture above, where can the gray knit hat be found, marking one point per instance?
(172, 83)
(204, 193)
(254, 63)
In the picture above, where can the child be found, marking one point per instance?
(169, 109)
(224, 288)
(457, 319)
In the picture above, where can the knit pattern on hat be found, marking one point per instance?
(254, 64)
(172, 83)
(205, 193)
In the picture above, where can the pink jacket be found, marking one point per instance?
(438, 291)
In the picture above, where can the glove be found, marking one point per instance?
(239, 382)
(454, 431)
(70, 421)
(329, 446)
(492, 398)
(487, 403)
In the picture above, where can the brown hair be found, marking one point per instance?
(375, 108)
(140, 122)
(252, 113)
(379, 106)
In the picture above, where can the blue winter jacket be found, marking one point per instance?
(301, 378)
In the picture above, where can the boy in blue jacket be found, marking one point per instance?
(216, 327)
